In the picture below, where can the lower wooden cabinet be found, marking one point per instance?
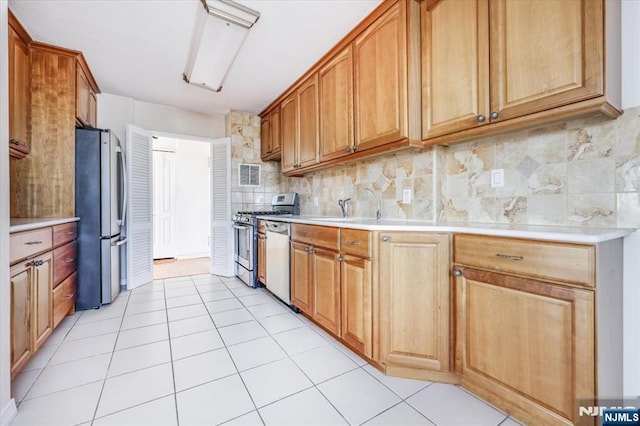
(326, 288)
(301, 279)
(262, 258)
(31, 307)
(414, 303)
(357, 315)
(64, 298)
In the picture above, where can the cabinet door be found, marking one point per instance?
(544, 55)
(455, 55)
(301, 279)
(262, 258)
(21, 343)
(336, 106)
(19, 95)
(93, 109)
(275, 132)
(289, 127)
(527, 343)
(265, 136)
(326, 289)
(355, 280)
(308, 122)
(82, 96)
(414, 300)
(42, 299)
(380, 80)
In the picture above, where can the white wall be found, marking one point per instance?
(631, 98)
(115, 112)
(192, 198)
(7, 405)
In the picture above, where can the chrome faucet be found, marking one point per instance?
(344, 206)
(379, 200)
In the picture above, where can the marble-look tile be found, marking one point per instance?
(549, 179)
(628, 173)
(482, 210)
(457, 186)
(515, 185)
(527, 166)
(591, 142)
(628, 133)
(511, 210)
(510, 150)
(547, 209)
(480, 184)
(591, 176)
(592, 210)
(548, 144)
(628, 208)
(457, 210)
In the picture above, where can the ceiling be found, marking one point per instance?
(138, 48)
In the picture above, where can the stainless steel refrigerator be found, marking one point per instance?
(101, 207)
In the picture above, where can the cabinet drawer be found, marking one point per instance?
(319, 236)
(64, 233)
(356, 242)
(572, 263)
(64, 297)
(28, 243)
(64, 262)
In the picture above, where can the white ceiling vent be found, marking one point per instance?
(249, 174)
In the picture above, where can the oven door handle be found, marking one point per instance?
(241, 227)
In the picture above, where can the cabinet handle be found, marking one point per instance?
(269, 152)
(457, 272)
(69, 260)
(15, 142)
(37, 263)
(340, 258)
(509, 257)
(68, 297)
(70, 233)
(493, 115)
(33, 243)
(353, 243)
(385, 238)
(480, 118)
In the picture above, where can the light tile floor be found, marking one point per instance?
(209, 350)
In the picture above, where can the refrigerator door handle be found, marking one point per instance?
(125, 184)
(120, 242)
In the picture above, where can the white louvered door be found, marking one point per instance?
(221, 228)
(140, 216)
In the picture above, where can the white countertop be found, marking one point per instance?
(539, 232)
(17, 225)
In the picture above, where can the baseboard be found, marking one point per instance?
(8, 413)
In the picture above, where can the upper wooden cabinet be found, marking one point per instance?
(299, 124)
(495, 65)
(270, 135)
(19, 89)
(86, 90)
(336, 106)
(381, 75)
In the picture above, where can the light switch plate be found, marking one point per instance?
(406, 196)
(497, 178)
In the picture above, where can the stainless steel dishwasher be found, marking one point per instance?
(277, 274)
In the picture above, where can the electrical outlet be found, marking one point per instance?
(316, 201)
(497, 178)
(406, 196)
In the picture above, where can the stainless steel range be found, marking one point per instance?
(245, 226)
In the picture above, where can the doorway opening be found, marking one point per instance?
(181, 207)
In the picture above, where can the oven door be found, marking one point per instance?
(244, 245)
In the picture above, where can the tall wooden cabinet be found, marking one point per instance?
(414, 298)
(19, 89)
(336, 106)
(514, 63)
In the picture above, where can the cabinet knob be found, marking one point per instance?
(348, 149)
(480, 118)
(493, 115)
(384, 238)
(354, 147)
(457, 272)
(340, 259)
(15, 142)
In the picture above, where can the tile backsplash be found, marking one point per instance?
(244, 130)
(581, 172)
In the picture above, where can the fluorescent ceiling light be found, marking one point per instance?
(220, 30)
